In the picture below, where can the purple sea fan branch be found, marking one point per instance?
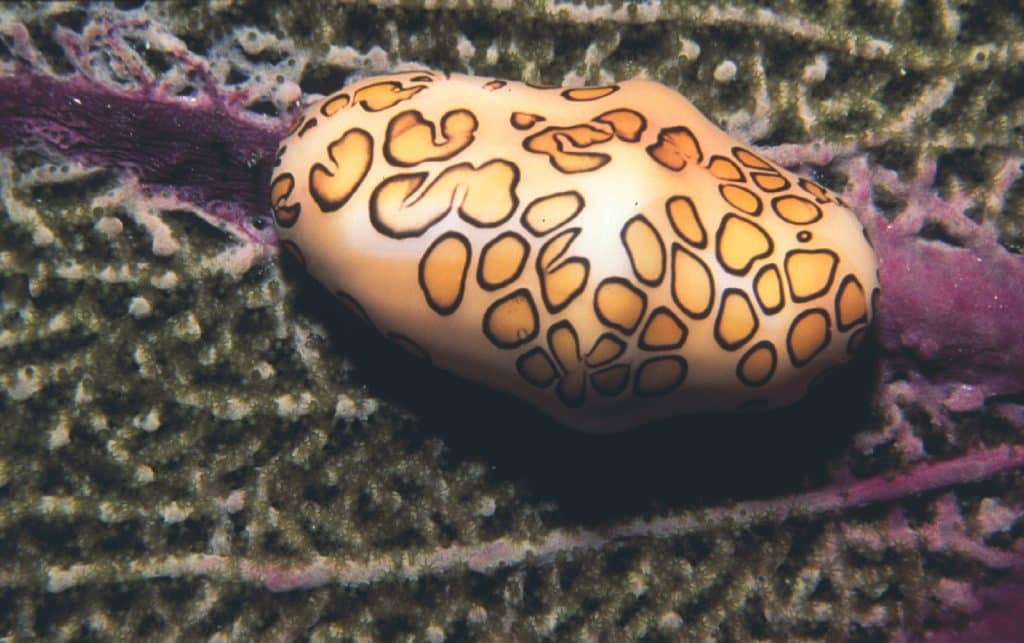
(953, 304)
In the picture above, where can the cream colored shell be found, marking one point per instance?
(605, 253)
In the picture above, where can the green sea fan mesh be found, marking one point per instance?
(187, 423)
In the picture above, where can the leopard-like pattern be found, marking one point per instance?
(605, 253)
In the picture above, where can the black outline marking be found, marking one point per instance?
(539, 86)
(558, 130)
(804, 236)
(293, 211)
(823, 198)
(661, 141)
(494, 84)
(711, 279)
(511, 188)
(875, 300)
(628, 139)
(782, 289)
(765, 165)
(330, 100)
(629, 286)
(395, 85)
(775, 209)
(421, 79)
(544, 270)
(535, 118)
(389, 136)
(408, 344)
(610, 391)
(665, 310)
(785, 182)
(642, 220)
(379, 225)
(711, 161)
(521, 370)
(696, 215)
(565, 398)
(294, 251)
(660, 391)
(334, 206)
(382, 228)
(746, 356)
(353, 306)
(760, 203)
(308, 125)
(742, 294)
(864, 231)
(515, 294)
(606, 337)
(540, 233)
(486, 285)
(839, 295)
(567, 93)
(856, 340)
(461, 238)
(828, 283)
(824, 345)
(575, 340)
(753, 259)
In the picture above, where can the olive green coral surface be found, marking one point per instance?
(187, 423)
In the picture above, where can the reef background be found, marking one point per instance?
(196, 441)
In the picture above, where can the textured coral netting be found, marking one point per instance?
(185, 430)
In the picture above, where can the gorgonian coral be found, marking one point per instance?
(186, 428)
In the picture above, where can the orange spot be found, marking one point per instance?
(536, 368)
(619, 304)
(605, 349)
(810, 273)
(723, 168)
(751, 160)
(512, 320)
(769, 182)
(589, 93)
(612, 380)
(768, 289)
(382, 95)
(351, 155)
(646, 252)
(686, 221)
(502, 260)
(335, 104)
(757, 365)
(808, 336)
(565, 345)
(627, 124)
(522, 120)
(554, 141)
(443, 272)
(410, 137)
(796, 209)
(741, 198)
(663, 331)
(851, 303)
(739, 243)
(692, 285)
(736, 322)
(675, 147)
(659, 375)
(549, 212)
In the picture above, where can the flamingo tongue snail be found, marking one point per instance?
(605, 253)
